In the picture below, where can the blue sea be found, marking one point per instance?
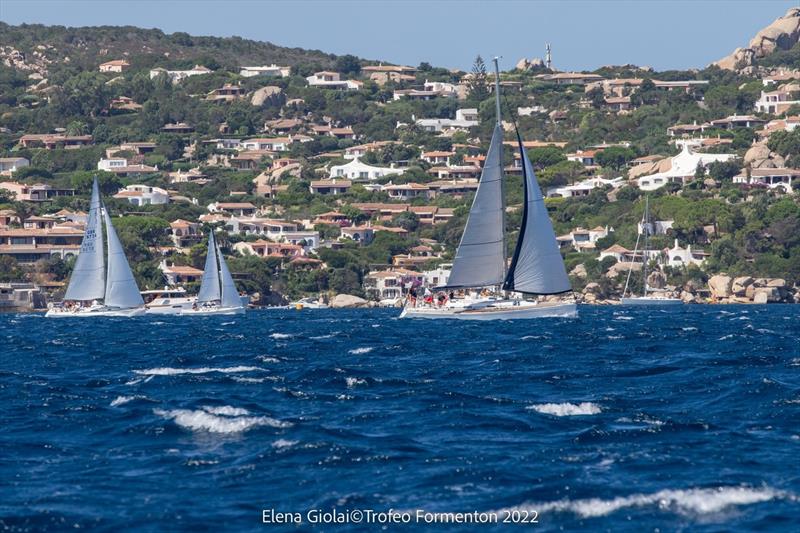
(683, 419)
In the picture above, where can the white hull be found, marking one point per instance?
(175, 307)
(649, 300)
(86, 312)
(500, 311)
(213, 311)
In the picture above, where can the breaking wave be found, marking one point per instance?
(566, 409)
(223, 419)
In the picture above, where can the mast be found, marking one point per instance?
(646, 233)
(499, 123)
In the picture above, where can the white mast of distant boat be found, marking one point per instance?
(644, 299)
(537, 267)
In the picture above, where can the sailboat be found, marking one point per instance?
(99, 277)
(218, 294)
(537, 267)
(649, 295)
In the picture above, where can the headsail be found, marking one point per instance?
(537, 266)
(210, 289)
(480, 258)
(121, 288)
(230, 295)
(88, 278)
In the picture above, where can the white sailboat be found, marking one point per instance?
(649, 295)
(218, 294)
(536, 267)
(99, 277)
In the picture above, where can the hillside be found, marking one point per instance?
(84, 48)
(336, 174)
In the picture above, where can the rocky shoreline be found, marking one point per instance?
(721, 289)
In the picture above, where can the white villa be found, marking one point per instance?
(584, 188)
(465, 118)
(584, 239)
(143, 195)
(680, 257)
(332, 80)
(267, 70)
(121, 167)
(775, 102)
(356, 170)
(771, 178)
(178, 75)
(682, 167)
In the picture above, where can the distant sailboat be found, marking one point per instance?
(99, 277)
(537, 267)
(218, 294)
(649, 296)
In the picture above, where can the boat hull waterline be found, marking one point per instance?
(96, 311)
(213, 311)
(509, 312)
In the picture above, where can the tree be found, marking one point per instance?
(348, 64)
(615, 157)
(407, 220)
(545, 156)
(477, 85)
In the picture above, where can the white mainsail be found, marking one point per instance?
(89, 275)
(210, 289)
(480, 258)
(537, 266)
(121, 289)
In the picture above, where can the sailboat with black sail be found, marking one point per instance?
(100, 285)
(480, 265)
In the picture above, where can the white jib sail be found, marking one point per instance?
(121, 288)
(210, 290)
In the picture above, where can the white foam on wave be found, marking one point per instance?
(352, 382)
(696, 501)
(268, 359)
(690, 328)
(281, 336)
(224, 419)
(623, 317)
(248, 380)
(726, 337)
(168, 371)
(283, 443)
(359, 351)
(122, 400)
(567, 409)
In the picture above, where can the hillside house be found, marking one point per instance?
(776, 102)
(268, 70)
(9, 165)
(355, 170)
(176, 76)
(682, 167)
(333, 186)
(121, 167)
(116, 65)
(770, 178)
(143, 195)
(332, 80)
(241, 209)
(38, 192)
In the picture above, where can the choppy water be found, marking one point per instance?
(622, 420)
